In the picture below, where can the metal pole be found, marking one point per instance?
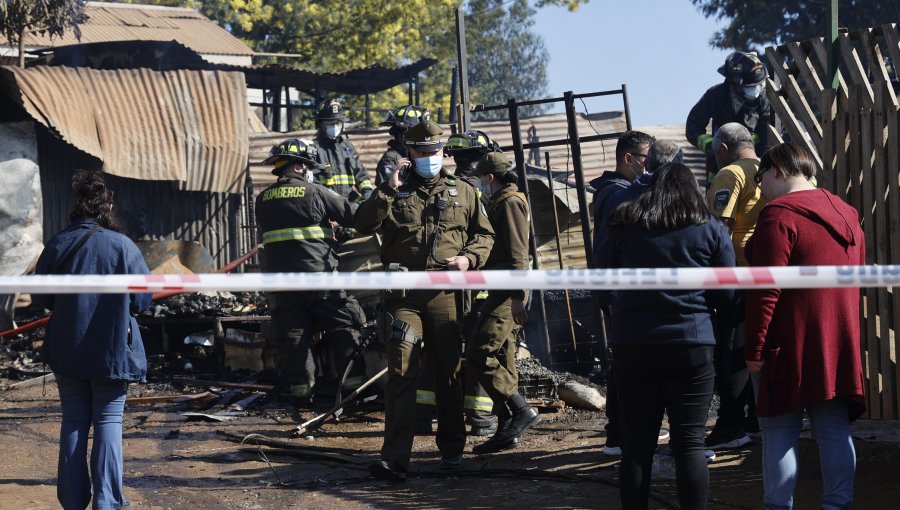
(831, 37)
(290, 112)
(523, 187)
(575, 143)
(559, 254)
(368, 107)
(463, 67)
(627, 109)
(418, 101)
(454, 81)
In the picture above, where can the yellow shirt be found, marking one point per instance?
(733, 194)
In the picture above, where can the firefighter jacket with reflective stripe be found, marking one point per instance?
(294, 225)
(717, 104)
(422, 224)
(396, 151)
(509, 215)
(342, 170)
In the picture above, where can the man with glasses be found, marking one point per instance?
(734, 197)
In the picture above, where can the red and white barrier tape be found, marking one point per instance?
(793, 277)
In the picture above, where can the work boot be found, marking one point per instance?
(483, 428)
(523, 416)
(387, 470)
(498, 442)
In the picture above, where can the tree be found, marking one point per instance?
(755, 23)
(21, 17)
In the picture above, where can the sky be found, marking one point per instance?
(658, 48)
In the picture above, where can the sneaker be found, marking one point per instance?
(612, 451)
(663, 434)
(388, 471)
(451, 463)
(720, 439)
(710, 456)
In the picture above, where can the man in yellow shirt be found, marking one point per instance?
(735, 199)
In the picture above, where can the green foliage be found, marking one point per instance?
(754, 23)
(53, 17)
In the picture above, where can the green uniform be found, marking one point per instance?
(422, 224)
(491, 351)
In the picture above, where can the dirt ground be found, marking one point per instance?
(171, 463)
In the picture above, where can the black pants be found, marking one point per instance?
(678, 380)
(732, 378)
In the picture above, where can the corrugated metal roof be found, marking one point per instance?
(596, 157)
(184, 126)
(122, 22)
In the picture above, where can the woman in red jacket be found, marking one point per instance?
(804, 343)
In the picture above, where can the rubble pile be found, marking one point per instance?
(210, 304)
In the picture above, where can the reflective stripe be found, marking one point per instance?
(338, 179)
(425, 397)
(755, 138)
(366, 184)
(301, 390)
(704, 140)
(478, 403)
(351, 383)
(296, 234)
(482, 295)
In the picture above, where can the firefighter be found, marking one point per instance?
(491, 351)
(740, 98)
(295, 219)
(427, 220)
(467, 149)
(399, 120)
(341, 169)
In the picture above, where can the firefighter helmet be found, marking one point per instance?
(331, 109)
(292, 149)
(406, 116)
(472, 141)
(743, 69)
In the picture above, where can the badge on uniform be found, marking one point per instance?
(720, 199)
(404, 194)
(452, 192)
(348, 150)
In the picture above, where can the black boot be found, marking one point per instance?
(523, 416)
(387, 470)
(499, 441)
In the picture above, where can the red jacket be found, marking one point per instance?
(808, 338)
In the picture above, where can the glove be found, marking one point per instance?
(344, 234)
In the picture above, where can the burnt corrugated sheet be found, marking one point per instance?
(119, 22)
(185, 126)
(146, 209)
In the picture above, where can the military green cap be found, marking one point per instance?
(425, 136)
(493, 163)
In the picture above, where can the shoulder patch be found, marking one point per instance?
(720, 199)
(452, 192)
(451, 181)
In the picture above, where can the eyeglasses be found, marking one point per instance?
(757, 178)
(638, 154)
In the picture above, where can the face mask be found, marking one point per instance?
(429, 166)
(484, 188)
(752, 92)
(333, 130)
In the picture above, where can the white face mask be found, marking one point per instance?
(752, 92)
(333, 130)
(429, 166)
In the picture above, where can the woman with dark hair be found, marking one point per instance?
(663, 340)
(803, 344)
(93, 346)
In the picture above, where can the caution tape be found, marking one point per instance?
(791, 277)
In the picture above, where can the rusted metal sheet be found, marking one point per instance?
(190, 127)
(119, 22)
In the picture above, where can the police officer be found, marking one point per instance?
(341, 169)
(427, 221)
(399, 120)
(491, 351)
(740, 98)
(295, 219)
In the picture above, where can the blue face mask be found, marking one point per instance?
(429, 166)
(332, 130)
(485, 189)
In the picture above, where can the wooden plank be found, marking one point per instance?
(891, 35)
(818, 49)
(850, 58)
(793, 126)
(797, 101)
(828, 108)
(842, 144)
(805, 67)
(878, 69)
(892, 170)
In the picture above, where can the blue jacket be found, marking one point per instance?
(660, 317)
(605, 186)
(94, 336)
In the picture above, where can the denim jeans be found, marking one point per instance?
(831, 429)
(83, 403)
(677, 379)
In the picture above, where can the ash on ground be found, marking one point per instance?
(210, 304)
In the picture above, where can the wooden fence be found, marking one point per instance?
(854, 134)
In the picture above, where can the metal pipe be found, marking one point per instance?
(519, 153)
(559, 255)
(575, 143)
(627, 109)
(463, 64)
